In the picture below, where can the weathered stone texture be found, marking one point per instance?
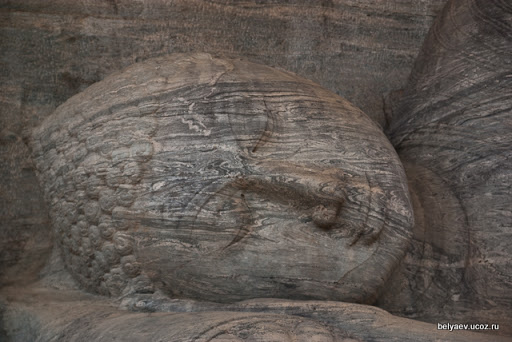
(79, 317)
(53, 49)
(25, 238)
(220, 179)
(289, 191)
(454, 134)
(358, 49)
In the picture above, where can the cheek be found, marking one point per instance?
(258, 219)
(247, 226)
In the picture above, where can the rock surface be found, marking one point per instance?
(454, 135)
(221, 179)
(53, 49)
(451, 126)
(25, 237)
(76, 317)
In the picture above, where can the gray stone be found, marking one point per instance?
(453, 131)
(54, 49)
(184, 184)
(251, 157)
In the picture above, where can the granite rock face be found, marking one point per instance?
(59, 47)
(454, 134)
(76, 316)
(25, 237)
(221, 179)
(184, 184)
(53, 49)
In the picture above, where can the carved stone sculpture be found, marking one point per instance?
(219, 179)
(205, 197)
(453, 132)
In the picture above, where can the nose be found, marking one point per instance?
(320, 197)
(325, 217)
(323, 198)
(332, 199)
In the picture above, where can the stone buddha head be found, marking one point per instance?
(220, 179)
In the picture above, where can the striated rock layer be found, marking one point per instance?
(454, 135)
(53, 49)
(79, 317)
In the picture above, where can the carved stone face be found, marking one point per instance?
(222, 180)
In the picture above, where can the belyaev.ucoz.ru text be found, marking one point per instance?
(474, 326)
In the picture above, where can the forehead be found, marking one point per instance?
(287, 121)
(199, 100)
(196, 116)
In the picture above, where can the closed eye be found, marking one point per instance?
(297, 198)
